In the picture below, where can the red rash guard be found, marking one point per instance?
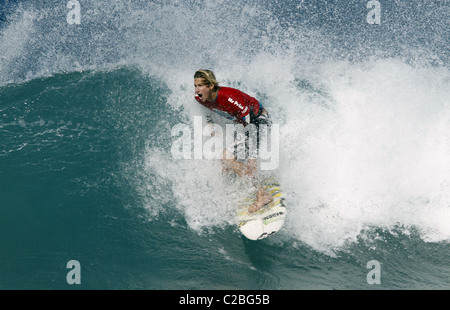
(234, 105)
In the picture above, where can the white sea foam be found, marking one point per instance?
(368, 147)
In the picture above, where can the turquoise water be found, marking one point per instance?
(87, 173)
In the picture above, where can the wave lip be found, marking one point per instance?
(38, 41)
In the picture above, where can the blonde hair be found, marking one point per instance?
(208, 76)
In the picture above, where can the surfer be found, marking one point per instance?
(242, 109)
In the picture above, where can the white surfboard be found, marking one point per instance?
(267, 220)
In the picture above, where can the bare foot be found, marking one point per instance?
(262, 199)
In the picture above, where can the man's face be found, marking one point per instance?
(203, 90)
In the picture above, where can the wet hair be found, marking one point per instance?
(208, 76)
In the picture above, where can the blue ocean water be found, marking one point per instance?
(86, 169)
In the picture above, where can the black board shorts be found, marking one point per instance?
(248, 142)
